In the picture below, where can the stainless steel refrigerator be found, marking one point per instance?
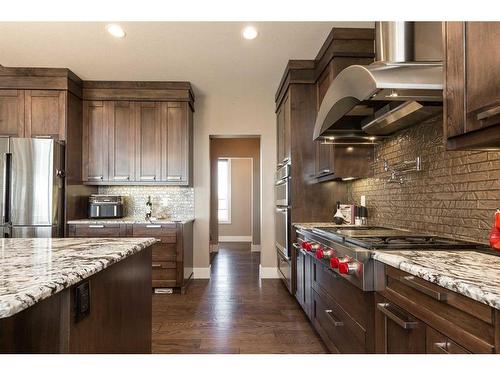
(32, 183)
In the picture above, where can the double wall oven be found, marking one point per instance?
(282, 222)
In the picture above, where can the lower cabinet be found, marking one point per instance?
(303, 290)
(397, 331)
(172, 257)
(285, 270)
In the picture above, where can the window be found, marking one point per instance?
(224, 190)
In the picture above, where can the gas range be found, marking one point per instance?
(348, 250)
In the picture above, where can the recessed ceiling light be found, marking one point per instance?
(115, 30)
(250, 32)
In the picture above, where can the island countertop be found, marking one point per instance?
(131, 220)
(32, 269)
(473, 274)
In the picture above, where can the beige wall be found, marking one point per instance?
(243, 113)
(241, 200)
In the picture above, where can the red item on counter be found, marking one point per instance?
(495, 232)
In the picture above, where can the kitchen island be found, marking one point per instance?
(83, 295)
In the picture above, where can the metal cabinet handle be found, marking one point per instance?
(95, 177)
(336, 322)
(174, 178)
(157, 265)
(96, 226)
(384, 308)
(281, 209)
(442, 346)
(153, 226)
(410, 281)
(489, 113)
(296, 245)
(121, 178)
(324, 171)
(148, 178)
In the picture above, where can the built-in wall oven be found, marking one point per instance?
(282, 211)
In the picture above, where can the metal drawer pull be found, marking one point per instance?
(153, 226)
(96, 226)
(489, 113)
(157, 265)
(405, 324)
(281, 209)
(409, 281)
(296, 245)
(442, 346)
(121, 178)
(336, 323)
(324, 171)
(148, 178)
(95, 177)
(174, 178)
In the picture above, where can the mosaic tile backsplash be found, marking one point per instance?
(169, 202)
(455, 194)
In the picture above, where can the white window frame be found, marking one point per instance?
(229, 173)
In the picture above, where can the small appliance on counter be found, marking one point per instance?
(345, 214)
(105, 206)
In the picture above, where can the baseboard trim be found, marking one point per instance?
(201, 272)
(255, 247)
(235, 238)
(268, 272)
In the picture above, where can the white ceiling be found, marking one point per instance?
(211, 55)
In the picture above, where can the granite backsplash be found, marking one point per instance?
(455, 194)
(169, 202)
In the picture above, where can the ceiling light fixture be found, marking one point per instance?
(115, 30)
(250, 32)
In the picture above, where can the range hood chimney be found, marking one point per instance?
(403, 87)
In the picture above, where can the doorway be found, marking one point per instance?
(235, 203)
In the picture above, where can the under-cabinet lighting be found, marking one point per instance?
(116, 30)
(350, 149)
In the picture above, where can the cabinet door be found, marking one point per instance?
(287, 131)
(121, 132)
(148, 141)
(280, 135)
(397, 331)
(12, 113)
(175, 143)
(95, 141)
(471, 95)
(324, 159)
(437, 343)
(308, 301)
(45, 114)
(299, 266)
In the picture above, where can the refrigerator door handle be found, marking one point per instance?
(7, 187)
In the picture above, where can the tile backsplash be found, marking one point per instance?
(169, 202)
(455, 194)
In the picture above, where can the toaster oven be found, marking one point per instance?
(105, 206)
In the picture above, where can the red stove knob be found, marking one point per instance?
(347, 268)
(334, 262)
(306, 245)
(320, 253)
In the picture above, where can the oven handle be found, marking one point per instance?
(384, 308)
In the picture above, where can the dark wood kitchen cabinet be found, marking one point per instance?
(45, 113)
(397, 331)
(343, 161)
(95, 141)
(121, 141)
(471, 94)
(148, 142)
(303, 291)
(283, 134)
(12, 113)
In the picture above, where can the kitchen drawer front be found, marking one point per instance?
(164, 271)
(339, 331)
(156, 230)
(464, 320)
(354, 301)
(99, 230)
(165, 252)
(437, 343)
(285, 270)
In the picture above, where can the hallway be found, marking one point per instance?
(233, 312)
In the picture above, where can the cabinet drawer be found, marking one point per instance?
(437, 343)
(156, 230)
(164, 271)
(285, 270)
(336, 327)
(98, 230)
(464, 320)
(357, 303)
(165, 252)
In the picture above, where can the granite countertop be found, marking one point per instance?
(473, 274)
(33, 269)
(131, 220)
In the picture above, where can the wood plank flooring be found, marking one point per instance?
(233, 312)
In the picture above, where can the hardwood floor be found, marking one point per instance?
(233, 312)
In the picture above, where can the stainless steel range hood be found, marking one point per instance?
(402, 88)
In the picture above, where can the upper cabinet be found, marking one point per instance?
(283, 132)
(45, 113)
(472, 81)
(12, 113)
(132, 141)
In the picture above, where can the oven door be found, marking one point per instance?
(281, 195)
(282, 231)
